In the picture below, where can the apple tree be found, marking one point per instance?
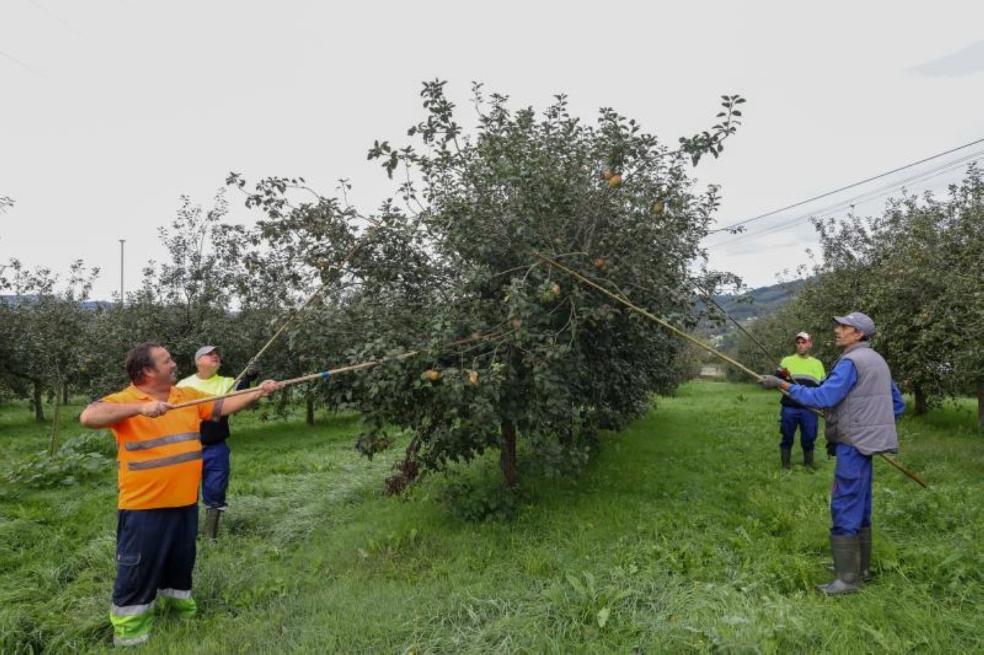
(513, 356)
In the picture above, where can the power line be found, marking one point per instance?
(845, 188)
(51, 14)
(864, 197)
(17, 61)
(832, 208)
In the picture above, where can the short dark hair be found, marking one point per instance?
(138, 359)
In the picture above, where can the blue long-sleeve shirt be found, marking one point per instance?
(836, 387)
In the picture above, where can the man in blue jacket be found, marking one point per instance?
(861, 404)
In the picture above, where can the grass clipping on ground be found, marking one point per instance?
(682, 536)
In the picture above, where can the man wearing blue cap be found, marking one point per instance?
(861, 404)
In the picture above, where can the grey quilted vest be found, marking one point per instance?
(865, 418)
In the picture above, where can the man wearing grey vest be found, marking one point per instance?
(861, 404)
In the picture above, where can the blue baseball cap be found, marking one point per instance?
(859, 321)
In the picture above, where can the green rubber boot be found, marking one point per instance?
(864, 537)
(212, 516)
(846, 550)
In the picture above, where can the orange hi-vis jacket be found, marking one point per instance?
(160, 459)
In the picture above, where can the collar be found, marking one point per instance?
(140, 394)
(855, 346)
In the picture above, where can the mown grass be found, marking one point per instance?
(681, 536)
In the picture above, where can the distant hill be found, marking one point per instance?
(759, 302)
(748, 306)
(12, 301)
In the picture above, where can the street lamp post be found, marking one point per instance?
(122, 241)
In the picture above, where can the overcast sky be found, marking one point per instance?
(111, 109)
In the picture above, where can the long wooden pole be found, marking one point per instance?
(323, 375)
(697, 342)
(292, 316)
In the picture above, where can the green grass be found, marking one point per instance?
(681, 536)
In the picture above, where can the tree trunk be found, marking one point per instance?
(38, 404)
(920, 395)
(980, 404)
(65, 398)
(55, 416)
(507, 455)
(310, 410)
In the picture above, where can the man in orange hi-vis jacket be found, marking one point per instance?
(160, 471)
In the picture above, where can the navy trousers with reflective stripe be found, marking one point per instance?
(155, 549)
(792, 417)
(215, 474)
(850, 498)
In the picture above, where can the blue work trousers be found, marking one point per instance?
(850, 497)
(791, 418)
(215, 475)
(155, 549)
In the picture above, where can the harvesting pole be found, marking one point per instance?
(697, 342)
(287, 320)
(324, 375)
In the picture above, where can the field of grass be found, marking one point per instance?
(681, 536)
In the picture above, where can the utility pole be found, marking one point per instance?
(122, 241)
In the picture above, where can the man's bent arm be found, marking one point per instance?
(831, 392)
(102, 414)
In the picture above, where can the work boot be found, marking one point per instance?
(808, 458)
(846, 550)
(785, 454)
(212, 515)
(864, 538)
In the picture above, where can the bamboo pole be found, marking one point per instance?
(697, 342)
(292, 316)
(324, 375)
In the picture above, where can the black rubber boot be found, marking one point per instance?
(808, 458)
(785, 454)
(864, 538)
(212, 516)
(846, 550)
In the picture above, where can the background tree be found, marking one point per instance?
(298, 275)
(961, 267)
(44, 327)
